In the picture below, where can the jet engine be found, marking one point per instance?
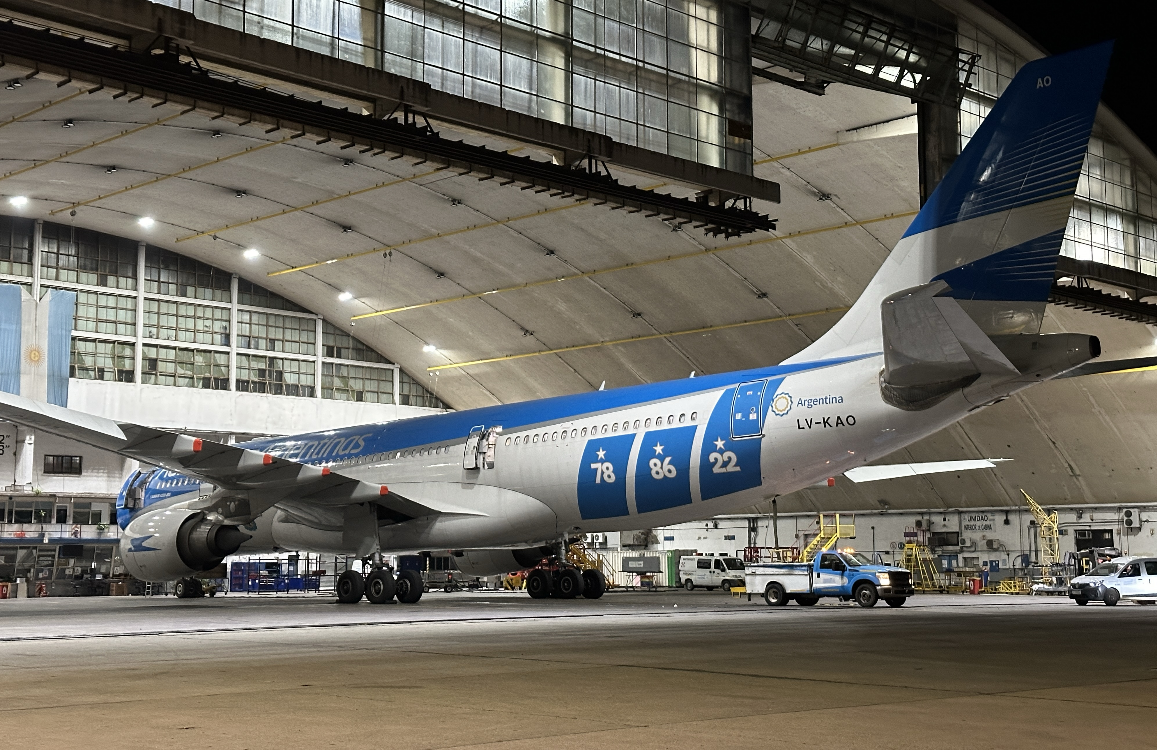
(489, 562)
(168, 544)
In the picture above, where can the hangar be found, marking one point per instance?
(268, 218)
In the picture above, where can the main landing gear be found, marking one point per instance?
(379, 587)
(565, 582)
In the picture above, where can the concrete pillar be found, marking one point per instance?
(318, 334)
(939, 143)
(138, 353)
(397, 385)
(233, 333)
(25, 453)
(37, 234)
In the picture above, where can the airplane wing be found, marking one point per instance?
(893, 471)
(1137, 364)
(227, 466)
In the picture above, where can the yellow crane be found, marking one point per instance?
(1046, 523)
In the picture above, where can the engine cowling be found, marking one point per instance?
(168, 544)
(489, 562)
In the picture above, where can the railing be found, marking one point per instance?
(59, 533)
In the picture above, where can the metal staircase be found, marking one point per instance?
(830, 531)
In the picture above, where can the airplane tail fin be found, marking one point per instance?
(990, 233)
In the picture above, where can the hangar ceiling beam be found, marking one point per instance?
(39, 109)
(628, 266)
(633, 339)
(141, 23)
(168, 78)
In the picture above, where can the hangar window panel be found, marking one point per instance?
(16, 246)
(276, 333)
(253, 295)
(353, 383)
(276, 376)
(185, 322)
(81, 256)
(105, 313)
(101, 360)
(340, 345)
(177, 276)
(184, 368)
(413, 394)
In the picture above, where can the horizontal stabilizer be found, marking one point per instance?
(1137, 364)
(893, 471)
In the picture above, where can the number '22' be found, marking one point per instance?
(721, 463)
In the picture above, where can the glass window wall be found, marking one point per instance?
(185, 368)
(276, 333)
(16, 246)
(188, 323)
(275, 375)
(105, 313)
(101, 360)
(81, 256)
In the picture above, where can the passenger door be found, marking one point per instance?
(747, 409)
(720, 572)
(702, 572)
(1150, 577)
(1130, 580)
(830, 576)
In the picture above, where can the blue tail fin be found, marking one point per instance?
(992, 229)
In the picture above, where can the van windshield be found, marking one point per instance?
(855, 559)
(733, 563)
(1105, 569)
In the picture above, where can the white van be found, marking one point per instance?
(710, 572)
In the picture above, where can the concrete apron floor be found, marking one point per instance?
(631, 670)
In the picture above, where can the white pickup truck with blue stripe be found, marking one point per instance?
(846, 575)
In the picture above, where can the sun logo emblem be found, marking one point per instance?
(34, 356)
(781, 404)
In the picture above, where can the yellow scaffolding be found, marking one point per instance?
(584, 559)
(925, 576)
(830, 531)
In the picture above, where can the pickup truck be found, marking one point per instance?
(847, 575)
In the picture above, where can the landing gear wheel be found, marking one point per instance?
(865, 595)
(1081, 602)
(689, 585)
(594, 584)
(1112, 596)
(409, 586)
(380, 586)
(181, 588)
(807, 601)
(896, 601)
(350, 587)
(775, 595)
(539, 584)
(569, 584)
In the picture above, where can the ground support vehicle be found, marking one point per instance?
(710, 572)
(848, 576)
(1136, 580)
(1088, 587)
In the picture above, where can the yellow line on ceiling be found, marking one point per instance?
(801, 152)
(314, 204)
(41, 108)
(94, 144)
(628, 266)
(648, 337)
(164, 177)
(451, 233)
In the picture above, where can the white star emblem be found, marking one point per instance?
(658, 449)
(719, 443)
(601, 454)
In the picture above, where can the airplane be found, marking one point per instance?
(949, 325)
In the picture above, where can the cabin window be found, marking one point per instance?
(647, 423)
(626, 426)
(574, 433)
(694, 415)
(584, 433)
(636, 424)
(682, 418)
(536, 438)
(517, 440)
(615, 427)
(670, 419)
(604, 429)
(554, 436)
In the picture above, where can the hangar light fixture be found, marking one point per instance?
(429, 348)
(13, 84)
(146, 222)
(345, 296)
(68, 123)
(252, 254)
(18, 201)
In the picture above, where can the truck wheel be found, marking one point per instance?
(774, 595)
(896, 601)
(350, 587)
(865, 595)
(807, 601)
(726, 586)
(1081, 602)
(1112, 596)
(689, 585)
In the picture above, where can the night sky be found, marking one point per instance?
(1063, 25)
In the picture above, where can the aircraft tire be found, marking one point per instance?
(181, 588)
(569, 584)
(350, 587)
(380, 586)
(409, 586)
(866, 595)
(1112, 596)
(896, 601)
(594, 584)
(775, 595)
(539, 584)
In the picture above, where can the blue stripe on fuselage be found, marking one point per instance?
(349, 442)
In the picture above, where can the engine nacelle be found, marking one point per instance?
(173, 543)
(489, 562)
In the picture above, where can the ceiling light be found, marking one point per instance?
(110, 169)
(146, 222)
(346, 163)
(18, 201)
(345, 296)
(216, 134)
(68, 123)
(15, 83)
(241, 194)
(252, 254)
(429, 348)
